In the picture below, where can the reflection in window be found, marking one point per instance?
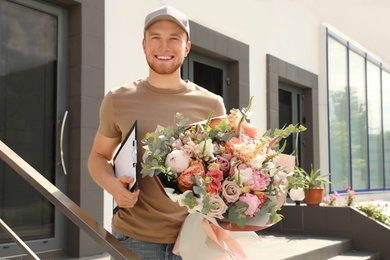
(374, 113)
(386, 125)
(338, 115)
(359, 119)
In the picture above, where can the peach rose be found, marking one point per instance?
(184, 179)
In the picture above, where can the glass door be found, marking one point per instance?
(208, 73)
(291, 112)
(32, 103)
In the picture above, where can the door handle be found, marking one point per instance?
(62, 142)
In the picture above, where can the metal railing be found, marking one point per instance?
(72, 211)
(17, 240)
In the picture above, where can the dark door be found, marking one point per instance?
(32, 98)
(291, 112)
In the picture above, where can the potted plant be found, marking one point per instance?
(296, 186)
(315, 184)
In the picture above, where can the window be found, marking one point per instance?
(359, 121)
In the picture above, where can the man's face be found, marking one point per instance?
(165, 47)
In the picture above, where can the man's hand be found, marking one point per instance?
(122, 196)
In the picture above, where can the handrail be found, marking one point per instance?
(77, 215)
(18, 241)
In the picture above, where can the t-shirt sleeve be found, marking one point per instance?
(108, 126)
(220, 109)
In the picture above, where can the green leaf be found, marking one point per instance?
(236, 213)
(190, 200)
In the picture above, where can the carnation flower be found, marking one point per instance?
(214, 186)
(258, 181)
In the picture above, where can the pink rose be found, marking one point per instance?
(220, 207)
(230, 191)
(253, 202)
(227, 154)
(223, 163)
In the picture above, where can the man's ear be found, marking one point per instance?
(143, 44)
(188, 48)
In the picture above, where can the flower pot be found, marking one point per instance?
(313, 196)
(297, 194)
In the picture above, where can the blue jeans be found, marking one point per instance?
(147, 250)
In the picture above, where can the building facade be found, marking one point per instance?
(323, 64)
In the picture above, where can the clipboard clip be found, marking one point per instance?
(134, 153)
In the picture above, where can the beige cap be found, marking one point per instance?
(168, 13)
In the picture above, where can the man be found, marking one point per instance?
(148, 221)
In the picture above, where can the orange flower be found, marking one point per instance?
(250, 130)
(184, 180)
(230, 144)
(215, 121)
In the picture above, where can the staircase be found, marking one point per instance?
(279, 246)
(311, 233)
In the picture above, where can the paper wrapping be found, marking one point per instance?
(202, 238)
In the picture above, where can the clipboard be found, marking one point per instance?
(125, 159)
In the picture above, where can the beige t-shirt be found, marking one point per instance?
(155, 217)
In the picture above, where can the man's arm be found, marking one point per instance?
(102, 172)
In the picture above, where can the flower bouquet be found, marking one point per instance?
(221, 168)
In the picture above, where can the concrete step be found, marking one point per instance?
(283, 247)
(356, 255)
(298, 247)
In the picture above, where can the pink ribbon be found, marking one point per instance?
(218, 243)
(224, 239)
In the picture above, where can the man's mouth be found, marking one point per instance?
(164, 57)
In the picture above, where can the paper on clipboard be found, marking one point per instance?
(125, 159)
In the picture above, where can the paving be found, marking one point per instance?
(290, 247)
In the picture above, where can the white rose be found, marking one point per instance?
(177, 161)
(209, 151)
(257, 161)
(245, 175)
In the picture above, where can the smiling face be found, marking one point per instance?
(165, 46)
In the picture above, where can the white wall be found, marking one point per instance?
(292, 30)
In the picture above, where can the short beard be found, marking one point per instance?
(164, 70)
